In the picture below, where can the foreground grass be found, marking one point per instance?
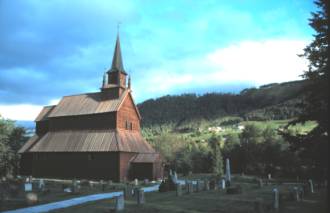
(210, 201)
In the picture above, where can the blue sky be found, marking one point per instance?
(49, 49)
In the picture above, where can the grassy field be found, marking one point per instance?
(212, 201)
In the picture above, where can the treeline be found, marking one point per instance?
(255, 151)
(269, 102)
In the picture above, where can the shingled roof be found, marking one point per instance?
(84, 104)
(88, 141)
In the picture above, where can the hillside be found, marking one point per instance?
(268, 102)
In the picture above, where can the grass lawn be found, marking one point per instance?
(211, 201)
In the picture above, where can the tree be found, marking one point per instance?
(217, 160)
(11, 139)
(313, 147)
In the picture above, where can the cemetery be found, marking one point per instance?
(192, 193)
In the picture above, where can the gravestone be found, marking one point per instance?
(103, 185)
(178, 190)
(223, 184)
(228, 174)
(311, 186)
(128, 191)
(41, 185)
(136, 182)
(260, 183)
(269, 176)
(190, 188)
(74, 186)
(296, 194)
(28, 187)
(207, 185)
(140, 196)
(198, 186)
(276, 198)
(120, 203)
(146, 181)
(31, 198)
(258, 205)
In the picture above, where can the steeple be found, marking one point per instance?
(114, 80)
(117, 61)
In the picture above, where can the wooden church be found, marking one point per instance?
(93, 135)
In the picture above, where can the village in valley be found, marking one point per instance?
(262, 149)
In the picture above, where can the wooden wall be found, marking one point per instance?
(95, 165)
(124, 165)
(93, 122)
(128, 113)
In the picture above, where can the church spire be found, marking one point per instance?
(117, 61)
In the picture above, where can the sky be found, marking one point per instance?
(49, 49)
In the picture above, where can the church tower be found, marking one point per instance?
(114, 80)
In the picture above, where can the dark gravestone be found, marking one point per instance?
(140, 196)
(189, 188)
(207, 185)
(178, 190)
(120, 203)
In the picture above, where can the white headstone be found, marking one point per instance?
(269, 176)
(228, 175)
(136, 182)
(310, 182)
(28, 187)
(41, 184)
(223, 183)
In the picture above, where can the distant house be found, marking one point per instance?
(93, 136)
(215, 129)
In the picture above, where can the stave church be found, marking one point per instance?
(93, 136)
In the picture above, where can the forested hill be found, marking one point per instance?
(268, 102)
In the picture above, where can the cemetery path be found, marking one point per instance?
(74, 201)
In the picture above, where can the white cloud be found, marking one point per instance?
(256, 62)
(20, 111)
(25, 112)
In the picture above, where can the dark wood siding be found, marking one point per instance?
(42, 127)
(26, 164)
(141, 171)
(76, 165)
(97, 121)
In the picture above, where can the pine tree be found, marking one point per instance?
(313, 147)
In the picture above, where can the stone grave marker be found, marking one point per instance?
(178, 190)
(136, 182)
(296, 194)
(311, 186)
(269, 176)
(260, 183)
(31, 198)
(228, 174)
(190, 187)
(223, 184)
(41, 184)
(276, 197)
(207, 185)
(146, 181)
(120, 203)
(198, 185)
(140, 196)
